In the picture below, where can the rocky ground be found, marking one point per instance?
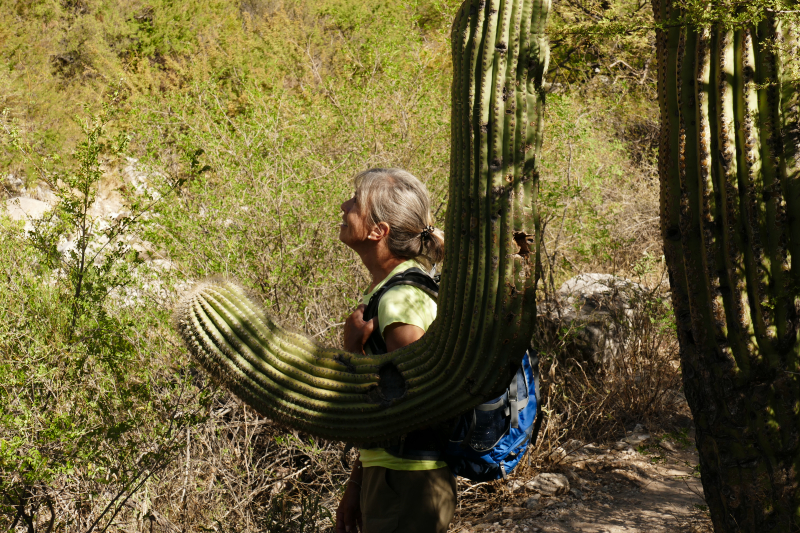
(641, 484)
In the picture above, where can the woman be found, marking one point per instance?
(389, 225)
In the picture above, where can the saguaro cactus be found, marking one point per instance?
(730, 219)
(487, 299)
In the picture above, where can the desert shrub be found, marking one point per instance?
(599, 207)
(59, 57)
(604, 47)
(93, 400)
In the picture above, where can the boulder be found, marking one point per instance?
(26, 209)
(549, 484)
(22, 208)
(12, 185)
(593, 314)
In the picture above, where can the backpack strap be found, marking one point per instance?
(416, 277)
(513, 403)
(423, 444)
(533, 359)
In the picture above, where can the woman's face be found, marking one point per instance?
(353, 229)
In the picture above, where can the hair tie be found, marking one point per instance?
(426, 232)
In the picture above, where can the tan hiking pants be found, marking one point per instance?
(400, 501)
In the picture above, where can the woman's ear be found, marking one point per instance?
(379, 232)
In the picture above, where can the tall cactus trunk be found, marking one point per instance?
(730, 220)
(487, 301)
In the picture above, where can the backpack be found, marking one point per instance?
(486, 442)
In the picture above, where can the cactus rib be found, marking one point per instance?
(730, 185)
(486, 304)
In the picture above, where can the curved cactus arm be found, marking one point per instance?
(730, 215)
(487, 299)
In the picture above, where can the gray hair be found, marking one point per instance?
(396, 197)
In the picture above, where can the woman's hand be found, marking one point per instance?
(348, 514)
(357, 331)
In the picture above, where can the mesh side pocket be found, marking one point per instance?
(490, 426)
(522, 386)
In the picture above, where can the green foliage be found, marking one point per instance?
(681, 437)
(597, 40)
(97, 261)
(278, 161)
(573, 201)
(733, 13)
(149, 50)
(79, 404)
(602, 41)
(592, 196)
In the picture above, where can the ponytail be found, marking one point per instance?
(432, 244)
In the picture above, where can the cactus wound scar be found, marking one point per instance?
(523, 243)
(391, 386)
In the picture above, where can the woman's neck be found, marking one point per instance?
(380, 265)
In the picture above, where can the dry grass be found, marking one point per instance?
(239, 472)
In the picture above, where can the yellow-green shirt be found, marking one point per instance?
(408, 305)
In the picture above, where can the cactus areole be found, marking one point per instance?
(730, 219)
(487, 297)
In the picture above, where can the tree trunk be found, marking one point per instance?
(730, 220)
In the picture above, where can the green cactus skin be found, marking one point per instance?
(487, 300)
(730, 219)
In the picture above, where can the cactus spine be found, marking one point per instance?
(487, 299)
(730, 219)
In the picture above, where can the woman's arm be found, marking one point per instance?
(348, 514)
(398, 335)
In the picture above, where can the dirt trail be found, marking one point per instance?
(611, 489)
